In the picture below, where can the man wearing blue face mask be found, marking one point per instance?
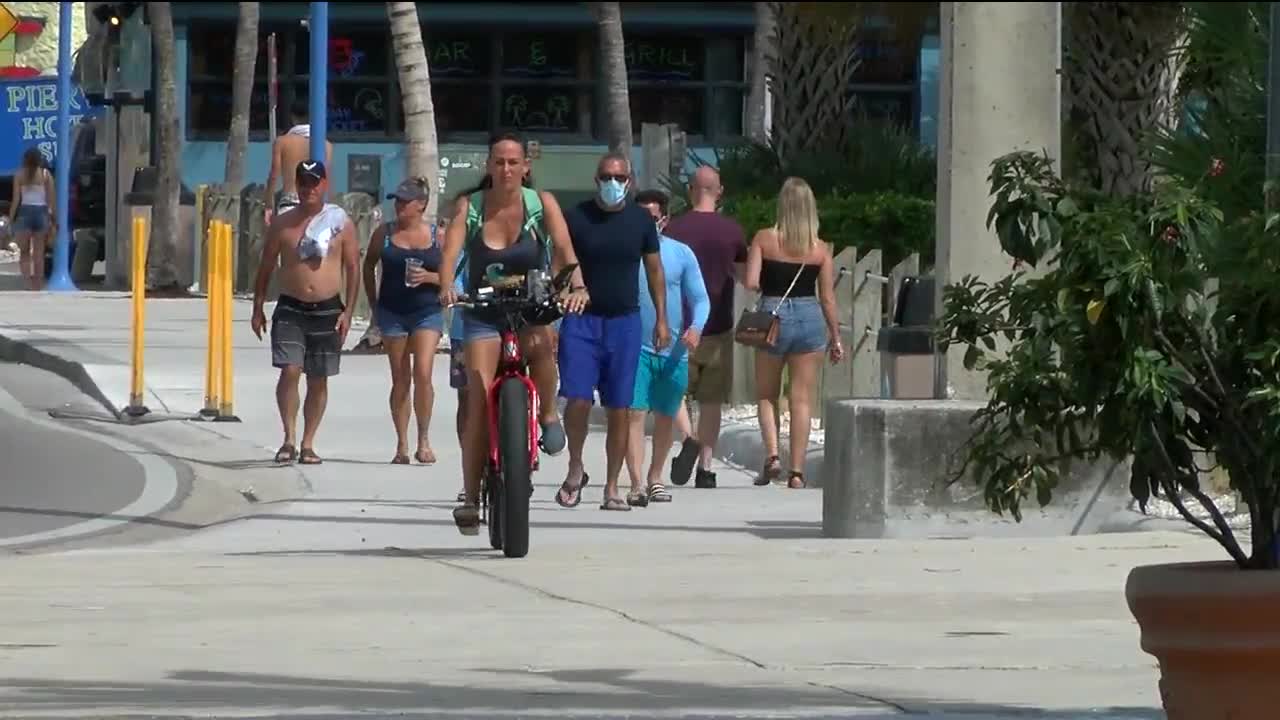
(600, 348)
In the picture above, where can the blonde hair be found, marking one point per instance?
(797, 224)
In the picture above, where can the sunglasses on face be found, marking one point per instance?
(605, 177)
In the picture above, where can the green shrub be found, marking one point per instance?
(878, 157)
(897, 225)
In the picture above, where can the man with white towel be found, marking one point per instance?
(316, 246)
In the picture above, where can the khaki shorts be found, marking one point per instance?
(711, 369)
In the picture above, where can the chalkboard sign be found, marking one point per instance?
(663, 58)
(460, 107)
(458, 56)
(547, 109)
(540, 55)
(210, 108)
(364, 174)
(358, 108)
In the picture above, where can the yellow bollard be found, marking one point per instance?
(138, 274)
(212, 376)
(226, 345)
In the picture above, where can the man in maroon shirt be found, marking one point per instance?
(721, 248)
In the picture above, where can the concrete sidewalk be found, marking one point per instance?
(85, 338)
(344, 589)
(966, 629)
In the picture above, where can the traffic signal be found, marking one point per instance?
(113, 15)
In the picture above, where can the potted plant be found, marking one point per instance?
(1144, 328)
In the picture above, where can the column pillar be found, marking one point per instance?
(1000, 91)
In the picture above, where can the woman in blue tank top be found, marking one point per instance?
(407, 311)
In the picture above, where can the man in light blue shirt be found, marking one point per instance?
(663, 375)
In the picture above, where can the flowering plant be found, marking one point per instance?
(1147, 328)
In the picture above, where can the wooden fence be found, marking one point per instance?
(244, 211)
(865, 300)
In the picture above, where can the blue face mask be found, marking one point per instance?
(612, 193)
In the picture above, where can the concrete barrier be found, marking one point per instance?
(886, 468)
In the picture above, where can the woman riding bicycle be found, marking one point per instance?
(504, 226)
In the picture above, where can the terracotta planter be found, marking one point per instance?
(1216, 631)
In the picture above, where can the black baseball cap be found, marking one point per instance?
(409, 191)
(312, 169)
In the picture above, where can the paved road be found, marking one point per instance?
(52, 478)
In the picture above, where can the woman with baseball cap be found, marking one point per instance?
(407, 311)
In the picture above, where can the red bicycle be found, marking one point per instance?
(507, 481)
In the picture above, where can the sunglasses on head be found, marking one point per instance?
(605, 177)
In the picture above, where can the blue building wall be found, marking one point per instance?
(203, 161)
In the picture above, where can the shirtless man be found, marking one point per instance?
(310, 322)
(287, 151)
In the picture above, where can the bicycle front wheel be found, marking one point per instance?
(517, 472)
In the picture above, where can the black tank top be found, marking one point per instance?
(516, 259)
(776, 277)
(392, 292)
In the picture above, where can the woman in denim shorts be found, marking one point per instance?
(792, 269)
(31, 216)
(408, 313)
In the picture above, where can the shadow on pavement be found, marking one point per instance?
(600, 691)
(762, 530)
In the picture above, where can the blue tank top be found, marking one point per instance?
(392, 292)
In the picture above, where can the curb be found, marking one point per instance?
(25, 353)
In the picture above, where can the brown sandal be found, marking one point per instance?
(795, 480)
(309, 457)
(771, 472)
(286, 454)
(467, 518)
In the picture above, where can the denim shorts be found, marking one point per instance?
(32, 218)
(801, 325)
(477, 326)
(394, 324)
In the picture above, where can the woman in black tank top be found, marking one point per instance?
(500, 240)
(792, 269)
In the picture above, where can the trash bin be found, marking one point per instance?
(907, 348)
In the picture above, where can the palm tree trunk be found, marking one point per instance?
(762, 57)
(1122, 78)
(242, 92)
(162, 266)
(423, 153)
(614, 72)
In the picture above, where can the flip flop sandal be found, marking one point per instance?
(615, 504)
(467, 518)
(638, 499)
(771, 472)
(659, 494)
(576, 493)
(425, 457)
(286, 454)
(400, 459)
(309, 457)
(462, 496)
